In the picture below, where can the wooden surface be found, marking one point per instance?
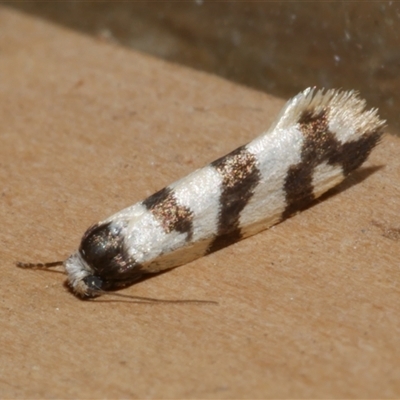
(309, 308)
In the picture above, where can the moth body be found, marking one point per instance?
(316, 141)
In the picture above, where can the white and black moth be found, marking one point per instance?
(316, 141)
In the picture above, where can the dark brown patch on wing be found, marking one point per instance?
(102, 247)
(317, 141)
(353, 154)
(172, 216)
(319, 146)
(156, 198)
(240, 177)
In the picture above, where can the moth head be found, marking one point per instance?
(81, 278)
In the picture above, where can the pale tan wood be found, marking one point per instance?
(309, 308)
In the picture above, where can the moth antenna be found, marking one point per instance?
(39, 265)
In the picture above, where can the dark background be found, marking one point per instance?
(277, 47)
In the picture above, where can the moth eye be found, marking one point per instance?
(93, 282)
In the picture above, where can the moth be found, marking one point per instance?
(317, 140)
